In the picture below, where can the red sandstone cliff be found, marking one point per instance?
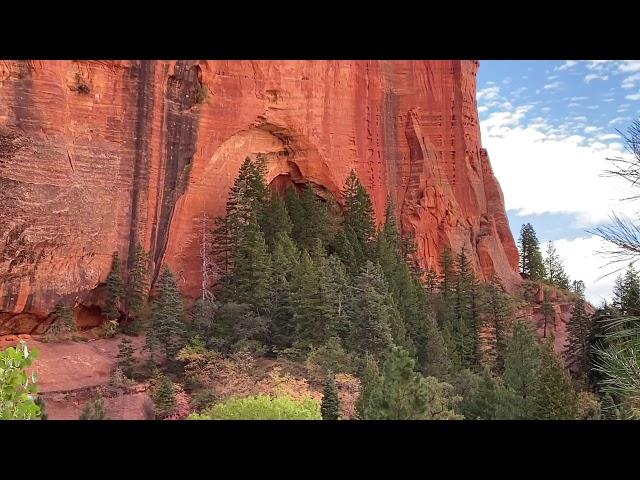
(97, 154)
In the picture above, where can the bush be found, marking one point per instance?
(109, 328)
(17, 388)
(81, 86)
(262, 407)
(203, 400)
(94, 410)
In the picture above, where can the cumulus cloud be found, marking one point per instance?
(583, 262)
(629, 66)
(594, 76)
(489, 93)
(563, 169)
(552, 86)
(631, 80)
(566, 65)
(634, 97)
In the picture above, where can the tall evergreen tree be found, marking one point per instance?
(275, 219)
(330, 406)
(63, 321)
(115, 289)
(466, 323)
(371, 314)
(521, 365)
(370, 378)
(404, 394)
(250, 280)
(163, 397)
(286, 259)
(167, 328)
(579, 335)
(138, 283)
(531, 262)
(358, 211)
(497, 314)
(554, 269)
(125, 356)
(548, 313)
(555, 398)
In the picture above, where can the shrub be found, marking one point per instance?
(262, 407)
(94, 410)
(17, 388)
(109, 328)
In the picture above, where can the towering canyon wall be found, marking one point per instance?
(97, 155)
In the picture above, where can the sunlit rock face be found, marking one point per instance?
(97, 155)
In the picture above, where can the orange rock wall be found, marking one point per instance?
(136, 156)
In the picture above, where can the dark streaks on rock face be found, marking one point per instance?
(181, 134)
(143, 128)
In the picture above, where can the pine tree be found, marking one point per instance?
(285, 263)
(275, 219)
(626, 293)
(466, 319)
(370, 380)
(330, 407)
(167, 328)
(548, 313)
(521, 364)
(579, 331)
(63, 321)
(554, 269)
(115, 289)
(138, 283)
(555, 398)
(125, 356)
(404, 394)
(370, 312)
(94, 410)
(531, 263)
(250, 281)
(497, 313)
(163, 397)
(358, 211)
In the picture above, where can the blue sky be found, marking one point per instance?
(549, 127)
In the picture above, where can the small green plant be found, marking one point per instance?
(262, 407)
(163, 396)
(63, 323)
(17, 387)
(94, 410)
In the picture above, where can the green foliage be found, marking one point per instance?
(125, 359)
(63, 322)
(371, 313)
(579, 331)
(17, 387)
(522, 360)
(482, 395)
(358, 212)
(275, 220)
(404, 394)
(310, 218)
(262, 407)
(94, 410)
(163, 397)
(167, 328)
(115, 289)
(330, 406)
(555, 398)
(331, 356)
(138, 283)
(39, 401)
(531, 263)
(554, 269)
(497, 313)
(238, 326)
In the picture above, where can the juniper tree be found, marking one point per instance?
(330, 406)
(115, 289)
(531, 262)
(167, 327)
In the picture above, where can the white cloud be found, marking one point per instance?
(631, 80)
(489, 93)
(591, 129)
(608, 136)
(552, 86)
(599, 65)
(618, 120)
(507, 81)
(583, 262)
(563, 167)
(546, 109)
(635, 96)
(573, 104)
(566, 65)
(576, 99)
(629, 66)
(609, 99)
(552, 77)
(482, 109)
(594, 76)
(593, 107)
